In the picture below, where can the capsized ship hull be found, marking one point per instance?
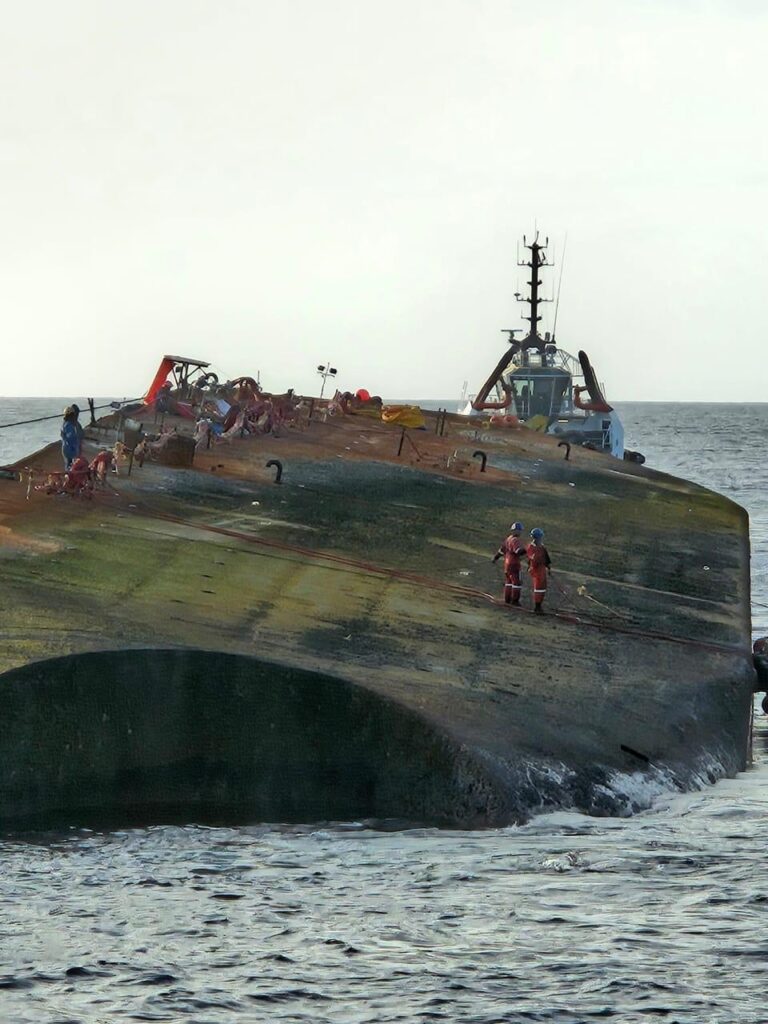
(203, 643)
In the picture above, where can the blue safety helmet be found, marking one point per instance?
(516, 526)
(537, 533)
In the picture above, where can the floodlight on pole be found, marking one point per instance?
(325, 372)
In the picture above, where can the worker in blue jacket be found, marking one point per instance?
(70, 437)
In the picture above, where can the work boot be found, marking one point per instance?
(538, 609)
(516, 601)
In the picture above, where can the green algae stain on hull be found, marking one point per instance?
(340, 650)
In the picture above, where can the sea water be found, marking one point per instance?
(662, 916)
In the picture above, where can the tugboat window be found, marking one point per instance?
(539, 395)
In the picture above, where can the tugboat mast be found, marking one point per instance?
(538, 259)
(532, 340)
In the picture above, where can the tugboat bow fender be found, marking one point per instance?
(597, 401)
(479, 403)
(591, 406)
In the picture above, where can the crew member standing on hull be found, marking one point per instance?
(538, 566)
(512, 549)
(78, 427)
(70, 439)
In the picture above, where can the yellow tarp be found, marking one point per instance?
(403, 415)
(539, 423)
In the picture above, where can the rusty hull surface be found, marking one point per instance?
(375, 570)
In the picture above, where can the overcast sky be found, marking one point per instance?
(270, 185)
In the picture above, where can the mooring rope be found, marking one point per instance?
(57, 415)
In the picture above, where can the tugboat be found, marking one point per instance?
(535, 382)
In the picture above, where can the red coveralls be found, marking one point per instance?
(538, 563)
(512, 548)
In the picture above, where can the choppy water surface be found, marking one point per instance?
(566, 919)
(16, 442)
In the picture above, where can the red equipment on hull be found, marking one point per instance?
(179, 367)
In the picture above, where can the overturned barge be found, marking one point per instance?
(295, 617)
(201, 642)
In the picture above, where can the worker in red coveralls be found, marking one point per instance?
(538, 566)
(512, 549)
